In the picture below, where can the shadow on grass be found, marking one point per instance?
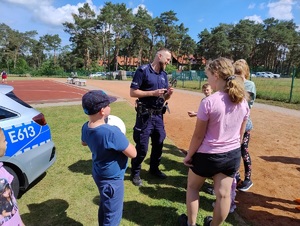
(174, 150)
(50, 212)
(82, 166)
(144, 215)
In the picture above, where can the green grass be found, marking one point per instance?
(67, 195)
(277, 89)
(269, 91)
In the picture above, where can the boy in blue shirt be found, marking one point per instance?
(110, 151)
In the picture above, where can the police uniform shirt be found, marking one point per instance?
(146, 79)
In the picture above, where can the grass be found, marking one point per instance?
(67, 195)
(269, 91)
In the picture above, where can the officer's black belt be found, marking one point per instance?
(154, 111)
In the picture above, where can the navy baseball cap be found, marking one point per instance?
(94, 100)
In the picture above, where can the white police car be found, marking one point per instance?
(30, 149)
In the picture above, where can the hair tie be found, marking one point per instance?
(230, 78)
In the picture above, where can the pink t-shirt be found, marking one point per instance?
(8, 203)
(224, 123)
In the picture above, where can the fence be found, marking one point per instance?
(189, 79)
(280, 89)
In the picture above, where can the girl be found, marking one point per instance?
(214, 149)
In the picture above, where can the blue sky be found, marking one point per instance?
(47, 16)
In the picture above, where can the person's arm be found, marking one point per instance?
(242, 130)
(169, 92)
(130, 151)
(5, 213)
(141, 93)
(196, 141)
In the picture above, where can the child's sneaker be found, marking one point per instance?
(210, 190)
(245, 186)
(232, 208)
(239, 183)
(182, 220)
(207, 221)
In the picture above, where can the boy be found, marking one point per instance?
(110, 151)
(9, 212)
(206, 90)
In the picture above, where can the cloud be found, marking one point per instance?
(134, 10)
(281, 10)
(251, 6)
(255, 18)
(45, 12)
(200, 20)
(262, 5)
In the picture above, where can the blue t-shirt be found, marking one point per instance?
(146, 79)
(107, 144)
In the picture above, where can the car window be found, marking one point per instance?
(15, 98)
(4, 114)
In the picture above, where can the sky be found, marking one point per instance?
(47, 16)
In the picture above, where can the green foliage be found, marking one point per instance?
(48, 68)
(170, 68)
(96, 67)
(267, 89)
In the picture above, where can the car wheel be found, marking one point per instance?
(15, 183)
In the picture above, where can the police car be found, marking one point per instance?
(30, 149)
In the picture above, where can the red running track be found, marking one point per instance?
(46, 91)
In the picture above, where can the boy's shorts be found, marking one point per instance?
(208, 165)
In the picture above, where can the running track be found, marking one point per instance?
(46, 91)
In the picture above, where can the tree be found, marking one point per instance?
(37, 54)
(244, 38)
(141, 34)
(82, 33)
(51, 43)
(165, 27)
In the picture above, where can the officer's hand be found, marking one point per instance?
(170, 91)
(159, 92)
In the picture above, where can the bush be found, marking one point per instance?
(170, 68)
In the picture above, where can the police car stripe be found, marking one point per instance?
(34, 146)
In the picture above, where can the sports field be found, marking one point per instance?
(274, 145)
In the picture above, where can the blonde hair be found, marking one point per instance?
(241, 68)
(223, 67)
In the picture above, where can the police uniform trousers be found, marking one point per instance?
(148, 126)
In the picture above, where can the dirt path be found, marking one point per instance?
(274, 147)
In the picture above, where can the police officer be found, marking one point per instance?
(150, 85)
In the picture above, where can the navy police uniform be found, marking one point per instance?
(149, 119)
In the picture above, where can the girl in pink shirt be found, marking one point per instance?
(214, 149)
